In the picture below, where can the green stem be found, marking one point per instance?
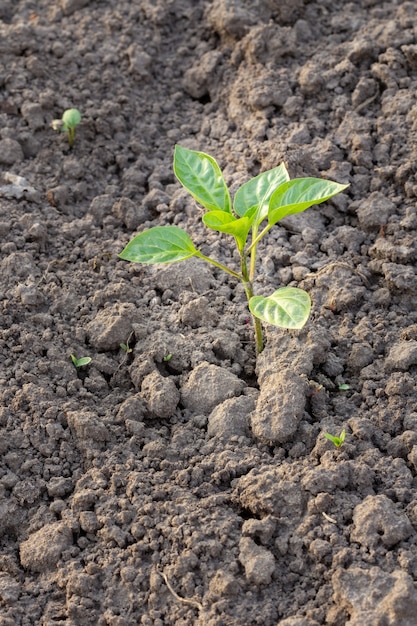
(252, 251)
(244, 267)
(257, 238)
(219, 265)
(244, 278)
(71, 136)
(259, 339)
(247, 284)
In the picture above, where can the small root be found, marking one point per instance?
(329, 519)
(174, 593)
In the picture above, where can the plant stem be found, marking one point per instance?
(252, 250)
(219, 265)
(257, 327)
(247, 284)
(257, 238)
(71, 136)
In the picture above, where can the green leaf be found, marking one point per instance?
(161, 244)
(226, 223)
(71, 118)
(297, 195)
(257, 192)
(84, 360)
(288, 307)
(201, 176)
(337, 441)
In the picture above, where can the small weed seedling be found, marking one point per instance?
(167, 357)
(337, 441)
(126, 346)
(344, 387)
(67, 124)
(269, 197)
(84, 360)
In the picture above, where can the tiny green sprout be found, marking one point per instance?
(337, 441)
(125, 348)
(269, 197)
(67, 124)
(343, 387)
(167, 357)
(84, 360)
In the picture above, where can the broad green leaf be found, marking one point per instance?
(71, 118)
(288, 307)
(228, 223)
(257, 192)
(297, 195)
(201, 176)
(161, 244)
(85, 360)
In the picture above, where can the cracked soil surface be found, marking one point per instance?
(182, 482)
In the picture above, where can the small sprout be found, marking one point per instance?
(67, 124)
(167, 357)
(337, 441)
(257, 206)
(84, 360)
(126, 346)
(344, 387)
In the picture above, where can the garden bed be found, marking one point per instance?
(180, 480)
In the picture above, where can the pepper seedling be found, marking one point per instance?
(337, 441)
(67, 124)
(84, 360)
(269, 197)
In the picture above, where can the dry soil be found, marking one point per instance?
(184, 482)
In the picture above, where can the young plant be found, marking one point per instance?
(343, 387)
(67, 124)
(337, 441)
(126, 347)
(84, 360)
(269, 197)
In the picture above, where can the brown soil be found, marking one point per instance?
(199, 489)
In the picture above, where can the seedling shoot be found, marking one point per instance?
(337, 441)
(84, 360)
(257, 206)
(68, 123)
